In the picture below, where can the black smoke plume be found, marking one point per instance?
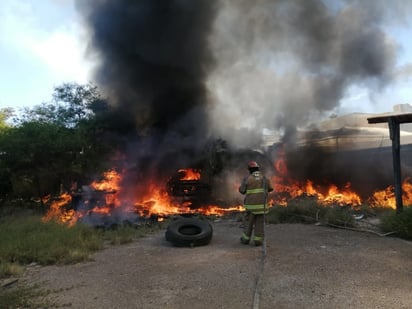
(153, 60)
(276, 64)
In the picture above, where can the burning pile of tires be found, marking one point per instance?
(189, 232)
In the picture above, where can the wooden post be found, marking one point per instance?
(393, 122)
(394, 133)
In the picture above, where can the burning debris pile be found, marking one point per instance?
(107, 202)
(343, 178)
(111, 200)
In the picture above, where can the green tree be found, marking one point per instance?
(5, 114)
(37, 155)
(54, 143)
(5, 184)
(71, 104)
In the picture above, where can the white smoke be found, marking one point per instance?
(283, 64)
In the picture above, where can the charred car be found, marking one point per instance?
(190, 188)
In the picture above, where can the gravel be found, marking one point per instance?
(304, 266)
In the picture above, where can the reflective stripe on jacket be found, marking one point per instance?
(254, 187)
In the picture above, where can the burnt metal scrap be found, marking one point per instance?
(193, 191)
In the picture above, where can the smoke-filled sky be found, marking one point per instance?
(246, 64)
(284, 63)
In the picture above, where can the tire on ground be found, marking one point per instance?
(189, 232)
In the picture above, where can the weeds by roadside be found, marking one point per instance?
(26, 239)
(400, 223)
(310, 211)
(24, 296)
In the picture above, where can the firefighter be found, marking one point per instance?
(255, 187)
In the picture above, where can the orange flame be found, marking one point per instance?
(341, 197)
(386, 197)
(189, 174)
(110, 185)
(105, 192)
(58, 212)
(104, 196)
(287, 188)
(111, 181)
(154, 200)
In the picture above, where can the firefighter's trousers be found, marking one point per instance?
(253, 224)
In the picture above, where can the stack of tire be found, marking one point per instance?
(189, 232)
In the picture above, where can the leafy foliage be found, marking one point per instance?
(400, 223)
(5, 114)
(71, 104)
(53, 144)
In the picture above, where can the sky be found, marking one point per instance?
(43, 44)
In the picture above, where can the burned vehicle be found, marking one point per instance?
(190, 188)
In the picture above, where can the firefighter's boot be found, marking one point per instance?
(244, 239)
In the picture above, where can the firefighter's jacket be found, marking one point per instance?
(256, 188)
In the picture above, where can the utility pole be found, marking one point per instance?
(394, 122)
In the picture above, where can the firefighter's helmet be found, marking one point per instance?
(252, 164)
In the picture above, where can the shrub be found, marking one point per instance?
(339, 216)
(400, 223)
(307, 211)
(310, 211)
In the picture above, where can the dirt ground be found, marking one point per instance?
(304, 266)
